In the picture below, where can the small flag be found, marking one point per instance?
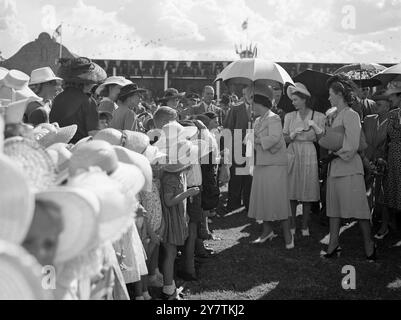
(245, 25)
(57, 32)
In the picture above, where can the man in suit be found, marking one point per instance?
(207, 105)
(366, 104)
(239, 117)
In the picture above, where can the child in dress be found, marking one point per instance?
(174, 194)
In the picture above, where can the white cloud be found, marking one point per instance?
(12, 30)
(284, 30)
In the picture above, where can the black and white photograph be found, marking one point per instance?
(216, 151)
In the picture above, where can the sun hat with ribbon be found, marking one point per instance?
(116, 207)
(102, 155)
(117, 80)
(17, 202)
(20, 275)
(135, 141)
(79, 209)
(61, 158)
(14, 87)
(35, 164)
(43, 75)
(14, 111)
(299, 87)
(184, 154)
(173, 132)
(48, 134)
(131, 157)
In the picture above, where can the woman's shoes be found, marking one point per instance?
(381, 236)
(290, 245)
(269, 237)
(372, 257)
(334, 254)
(174, 296)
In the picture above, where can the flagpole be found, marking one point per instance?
(61, 40)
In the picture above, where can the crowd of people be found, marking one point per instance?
(115, 193)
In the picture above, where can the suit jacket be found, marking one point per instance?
(272, 149)
(376, 136)
(238, 118)
(349, 162)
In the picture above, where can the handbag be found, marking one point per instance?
(334, 137)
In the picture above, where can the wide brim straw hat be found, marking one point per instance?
(61, 158)
(79, 209)
(140, 161)
(20, 275)
(14, 86)
(174, 132)
(117, 80)
(134, 141)
(3, 73)
(299, 87)
(116, 208)
(81, 142)
(101, 154)
(17, 202)
(35, 164)
(59, 135)
(2, 126)
(43, 75)
(81, 70)
(184, 154)
(14, 111)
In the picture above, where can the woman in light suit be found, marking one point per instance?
(269, 194)
(346, 191)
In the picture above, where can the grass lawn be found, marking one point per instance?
(244, 271)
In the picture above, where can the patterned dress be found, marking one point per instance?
(392, 184)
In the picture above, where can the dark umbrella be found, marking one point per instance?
(315, 82)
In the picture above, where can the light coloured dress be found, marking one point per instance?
(346, 191)
(132, 248)
(303, 170)
(269, 195)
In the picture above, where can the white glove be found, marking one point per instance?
(315, 127)
(295, 133)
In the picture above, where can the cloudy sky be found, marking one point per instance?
(284, 30)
